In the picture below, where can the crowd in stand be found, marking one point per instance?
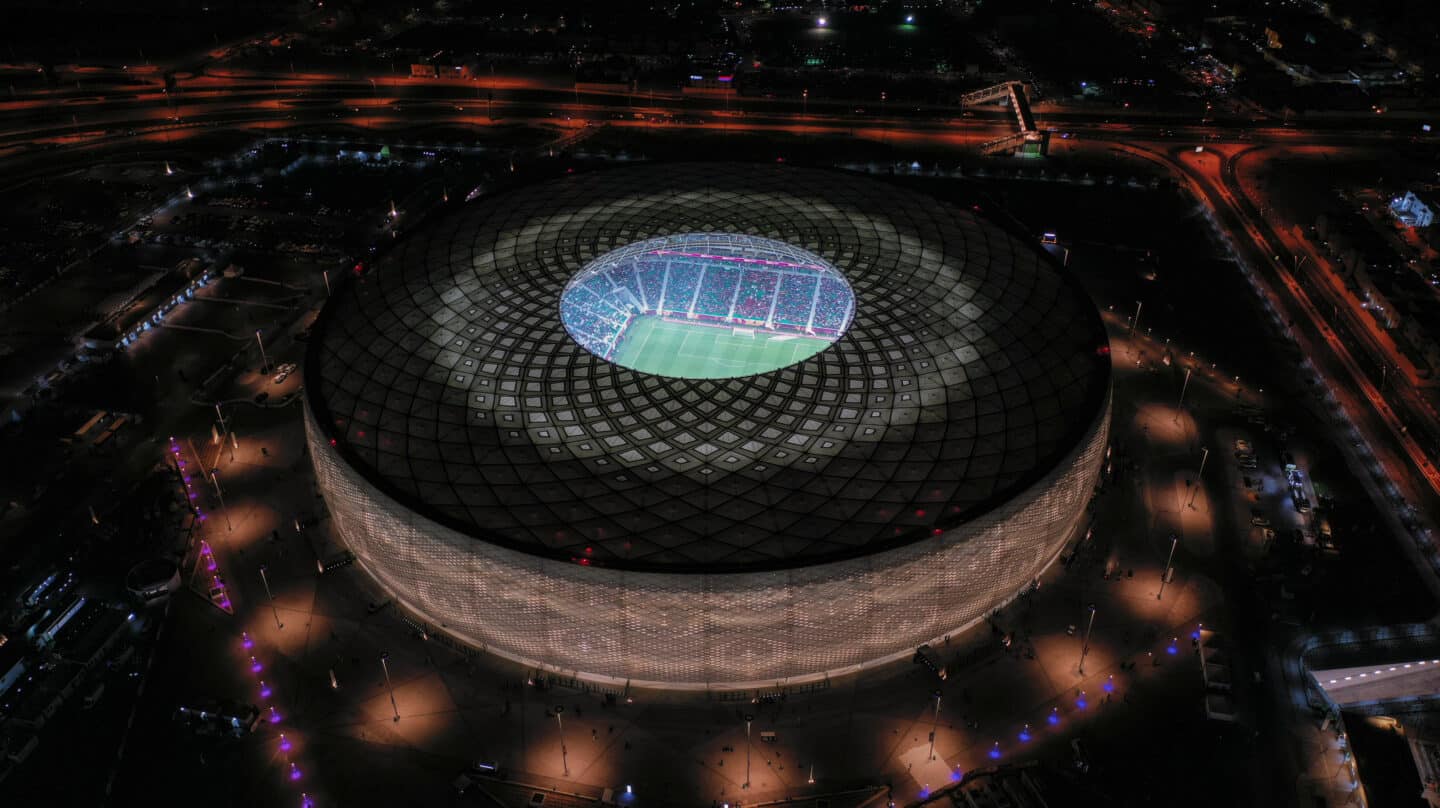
(598, 308)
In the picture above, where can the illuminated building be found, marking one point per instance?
(522, 494)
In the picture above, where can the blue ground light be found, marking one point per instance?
(1054, 717)
(995, 751)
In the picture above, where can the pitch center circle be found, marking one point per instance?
(707, 305)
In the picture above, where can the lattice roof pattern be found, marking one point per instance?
(446, 377)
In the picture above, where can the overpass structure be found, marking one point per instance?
(1408, 680)
(1029, 139)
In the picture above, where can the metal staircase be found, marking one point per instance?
(1029, 134)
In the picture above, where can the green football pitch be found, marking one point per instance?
(689, 351)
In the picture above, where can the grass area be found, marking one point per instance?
(693, 351)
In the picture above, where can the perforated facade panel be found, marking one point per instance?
(673, 628)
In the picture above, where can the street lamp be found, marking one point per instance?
(1165, 576)
(264, 360)
(935, 725)
(278, 625)
(224, 432)
(214, 478)
(1204, 455)
(748, 719)
(1138, 306)
(1183, 386)
(1085, 644)
(385, 666)
(564, 753)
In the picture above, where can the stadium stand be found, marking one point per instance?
(707, 282)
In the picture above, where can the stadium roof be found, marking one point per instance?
(447, 378)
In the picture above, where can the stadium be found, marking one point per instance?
(707, 425)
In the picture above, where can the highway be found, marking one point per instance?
(1327, 342)
(95, 109)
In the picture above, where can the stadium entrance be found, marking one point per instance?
(707, 306)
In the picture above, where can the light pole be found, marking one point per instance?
(1164, 576)
(385, 666)
(935, 725)
(748, 719)
(1138, 306)
(216, 480)
(564, 754)
(1085, 645)
(1204, 455)
(264, 360)
(1183, 386)
(278, 625)
(805, 102)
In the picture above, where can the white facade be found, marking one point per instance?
(697, 630)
